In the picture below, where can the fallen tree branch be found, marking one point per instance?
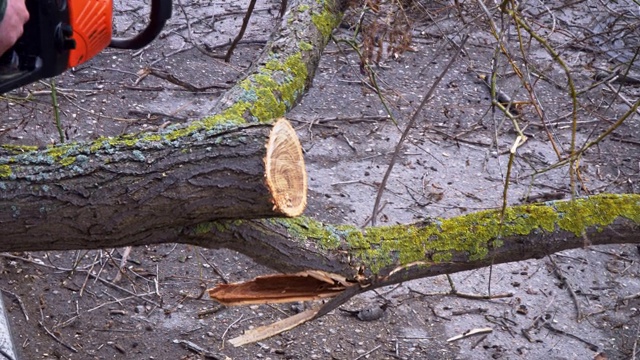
(145, 188)
(122, 196)
(391, 254)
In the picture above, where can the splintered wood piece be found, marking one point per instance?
(470, 333)
(302, 286)
(267, 331)
(284, 170)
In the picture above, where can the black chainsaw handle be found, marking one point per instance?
(160, 13)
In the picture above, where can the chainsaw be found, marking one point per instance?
(62, 34)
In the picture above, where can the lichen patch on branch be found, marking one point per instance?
(470, 235)
(273, 90)
(327, 20)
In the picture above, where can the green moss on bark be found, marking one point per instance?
(598, 211)
(18, 149)
(5, 171)
(272, 91)
(68, 160)
(327, 20)
(473, 234)
(305, 46)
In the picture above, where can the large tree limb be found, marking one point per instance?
(392, 254)
(144, 188)
(131, 196)
(348, 261)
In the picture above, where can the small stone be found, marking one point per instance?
(298, 307)
(522, 310)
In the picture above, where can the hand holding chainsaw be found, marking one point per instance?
(13, 15)
(62, 34)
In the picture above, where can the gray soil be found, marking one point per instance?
(65, 305)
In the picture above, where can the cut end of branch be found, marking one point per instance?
(285, 172)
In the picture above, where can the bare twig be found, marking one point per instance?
(174, 80)
(352, 120)
(469, 333)
(454, 292)
(574, 297)
(200, 350)
(123, 264)
(245, 22)
(368, 352)
(119, 301)
(224, 334)
(50, 333)
(140, 296)
(215, 268)
(20, 303)
(606, 133)
(400, 143)
(591, 346)
(56, 110)
(622, 97)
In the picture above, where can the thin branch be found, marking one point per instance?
(574, 297)
(245, 22)
(398, 149)
(50, 333)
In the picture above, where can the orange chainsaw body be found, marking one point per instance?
(91, 22)
(62, 34)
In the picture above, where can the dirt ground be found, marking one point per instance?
(66, 305)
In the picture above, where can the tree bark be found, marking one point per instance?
(145, 188)
(391, 254)
(144, 194)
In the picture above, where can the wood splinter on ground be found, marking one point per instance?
(279, 288)
(469, 333)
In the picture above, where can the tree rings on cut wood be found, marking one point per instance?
(285, 171)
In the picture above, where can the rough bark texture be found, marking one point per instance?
(393, 254)
(143, 188)
(122, 196)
